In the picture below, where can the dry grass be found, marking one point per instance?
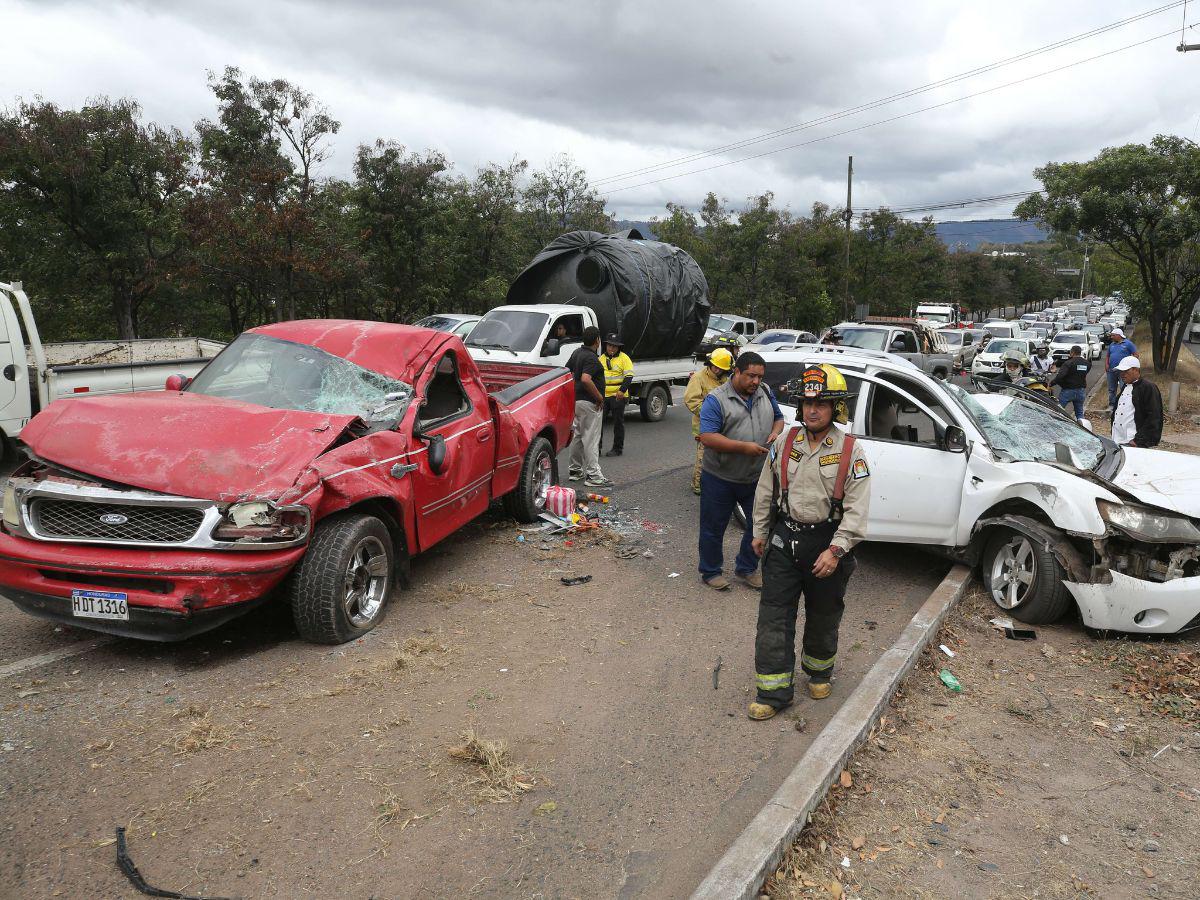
(500, 780)
(1187, 373)
(200, 733)
(406, 654)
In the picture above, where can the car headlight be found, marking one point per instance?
(1146, 524)
(261, 521)
(12, 508)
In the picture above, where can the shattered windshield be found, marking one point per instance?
(284, 375)
(1023, 430)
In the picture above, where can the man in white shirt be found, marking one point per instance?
(1138, 417)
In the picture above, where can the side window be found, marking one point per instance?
(739, 328)
(892, 417)
(444, 397)
(903, 342)
(572, 325)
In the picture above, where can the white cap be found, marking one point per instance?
(1117, 331)
(1129, 362)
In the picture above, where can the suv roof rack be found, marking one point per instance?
(823, 349)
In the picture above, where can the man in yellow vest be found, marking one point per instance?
(618, 376)
(700, 384)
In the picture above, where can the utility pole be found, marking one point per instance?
(1087, 255)
(849, 217)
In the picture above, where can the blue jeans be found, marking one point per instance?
(1074, 396)
(1114, 382)
(717, 498)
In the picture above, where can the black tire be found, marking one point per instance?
(1044, 598)
(321, 588)
(528, 500)
(655, 403)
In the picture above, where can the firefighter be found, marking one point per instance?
(702, 381)
(618, 377)
(807, 519)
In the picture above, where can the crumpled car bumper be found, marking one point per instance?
(1137, 606)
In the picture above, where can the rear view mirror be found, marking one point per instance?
(955, 439)
(437, 453)
(177, 382)
(552, 347)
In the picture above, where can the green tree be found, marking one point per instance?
(100, 192)
(1142, 202)
(558, 199)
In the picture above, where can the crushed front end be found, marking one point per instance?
(139, 563)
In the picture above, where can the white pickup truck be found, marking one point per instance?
(526, 334)
(33, 374)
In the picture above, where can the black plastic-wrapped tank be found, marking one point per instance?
(652, 294)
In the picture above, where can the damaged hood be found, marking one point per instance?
(184, 444)
(1162, 478)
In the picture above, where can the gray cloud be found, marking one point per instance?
(623, 85)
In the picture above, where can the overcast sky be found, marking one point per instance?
(622, 85)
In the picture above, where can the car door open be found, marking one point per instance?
(917, 476)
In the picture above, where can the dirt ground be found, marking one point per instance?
(1068, 766)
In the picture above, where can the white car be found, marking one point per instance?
(1061, 346)
(989, 359)
(1054, 515)
(778, 338)
(460, 324)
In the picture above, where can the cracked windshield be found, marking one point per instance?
(282, 375)
(1025, 431)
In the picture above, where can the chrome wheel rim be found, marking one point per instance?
(544, 473)
(1012, 572)
(366, 581)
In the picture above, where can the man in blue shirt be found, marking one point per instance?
(1119, 347)
(738, 423)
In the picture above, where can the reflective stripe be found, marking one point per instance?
(820, 665)
(773, 682)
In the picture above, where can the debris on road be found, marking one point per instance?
(946, 650)
(717, 673)
(125, 861)
(578, 579)
(500, 779)
(950, 681)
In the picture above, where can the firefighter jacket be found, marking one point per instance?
(812, 474)
(699, 386)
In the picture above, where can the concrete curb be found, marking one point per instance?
(756, 852)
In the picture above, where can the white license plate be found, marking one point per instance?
(99, 605)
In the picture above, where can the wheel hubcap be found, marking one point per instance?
(1013, 571)
(545, 479)
(366, 582)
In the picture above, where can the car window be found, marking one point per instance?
(444, 396)
(864, 338)
(999, 345)
(920, 392)
(510, 328)
(437, 323)
(1025, 430)
(953, 338)
(903, 342)
(739, 328)
(892, 417)
(465, 328)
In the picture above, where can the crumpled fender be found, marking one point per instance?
(1052, 539)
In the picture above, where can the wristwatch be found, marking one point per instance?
(837, 551)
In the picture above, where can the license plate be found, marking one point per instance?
(100, 605)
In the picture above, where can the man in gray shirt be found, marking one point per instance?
(738, 423)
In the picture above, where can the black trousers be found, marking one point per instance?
(787, 575)
(614, 408)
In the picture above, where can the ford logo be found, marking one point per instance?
(114, 519)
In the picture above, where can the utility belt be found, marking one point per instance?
(803, 542)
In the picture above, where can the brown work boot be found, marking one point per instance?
(760, 711)
(752, 580)
(819, 690)
(717, 583)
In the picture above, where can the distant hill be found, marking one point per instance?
(955, 235)
(969, 235)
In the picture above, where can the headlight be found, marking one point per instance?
(261, 521)
(12, 509)
(1146, 524)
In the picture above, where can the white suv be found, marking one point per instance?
(1053, 514)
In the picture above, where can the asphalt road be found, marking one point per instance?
(606, 690)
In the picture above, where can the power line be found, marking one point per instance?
(951, 204)
(895, 118)
(874, 104)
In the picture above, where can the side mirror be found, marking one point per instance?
(954, 440)
(551, 347)
(177, 382)
(437, 452)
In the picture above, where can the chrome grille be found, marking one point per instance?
(143, 524)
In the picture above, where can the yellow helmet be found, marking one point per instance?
(825, 382)
(721, 358)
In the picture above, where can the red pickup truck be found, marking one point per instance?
(318, 455)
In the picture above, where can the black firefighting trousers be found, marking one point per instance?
(787, 574)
